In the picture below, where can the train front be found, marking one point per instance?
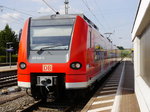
(47, 55)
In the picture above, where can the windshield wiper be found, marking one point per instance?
(44, 48)
(47, 48)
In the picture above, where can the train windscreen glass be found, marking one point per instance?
(55, 35)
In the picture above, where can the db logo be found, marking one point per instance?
(47, 68)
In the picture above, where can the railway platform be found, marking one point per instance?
(117, 93)
(8, 68)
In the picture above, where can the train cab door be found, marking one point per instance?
(90, 47)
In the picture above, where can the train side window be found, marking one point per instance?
(98, 52)
(90, 39)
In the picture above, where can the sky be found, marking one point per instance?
(111, 16)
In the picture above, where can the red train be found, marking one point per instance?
(62, 52)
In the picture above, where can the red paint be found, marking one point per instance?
(80, 51)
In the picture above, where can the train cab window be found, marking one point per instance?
(50, 37)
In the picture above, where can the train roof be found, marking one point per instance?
(66, 16)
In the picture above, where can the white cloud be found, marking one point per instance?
(42, 0)
(13, 19)
(9, 17)
(36, 0)
(44, 10)
(70, 10)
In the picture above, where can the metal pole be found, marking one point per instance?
(10, 59)
(6, 54)
(66, 6)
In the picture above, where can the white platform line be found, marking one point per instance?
(100, 109)
(115, 78)
(116, 105)
(103, 101)
(107, 91)
(110, 85)
(103, 96)
(114, 87)
(112, 82)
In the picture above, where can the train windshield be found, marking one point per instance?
(50, 37)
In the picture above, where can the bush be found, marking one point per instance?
(2, 51)
(3, 59)
(125, 53)
(14, 58)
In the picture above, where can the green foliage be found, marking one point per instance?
(14, 58)
(120, 47)
(7, 35)
(125, 53)
(3, 59)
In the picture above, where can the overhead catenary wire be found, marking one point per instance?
(19, 11)
(2, 6)
(101, 14)
(87, 6)
(50, 6)
(14, 18)
(19, 18)
(18, 22)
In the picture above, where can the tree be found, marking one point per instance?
(7, 35)
(120, 47)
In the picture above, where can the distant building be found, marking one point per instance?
(141, 40)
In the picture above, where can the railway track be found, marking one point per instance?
(64, 105)
(7, 73)
(8, 81)
(39, 106)
(8, 78)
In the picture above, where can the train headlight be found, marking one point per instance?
(22, 65)
(76, 65)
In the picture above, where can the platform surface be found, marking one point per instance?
(106, 97)
(8, 68)
(128, 101)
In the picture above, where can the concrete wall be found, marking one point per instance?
(141, 40)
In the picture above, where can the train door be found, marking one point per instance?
(90, 55)
(90, 47)
(102, 60)
(102, 55)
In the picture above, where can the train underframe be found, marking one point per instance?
(47, 86)
(52, 86)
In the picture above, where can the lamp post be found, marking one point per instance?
(9, 50)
